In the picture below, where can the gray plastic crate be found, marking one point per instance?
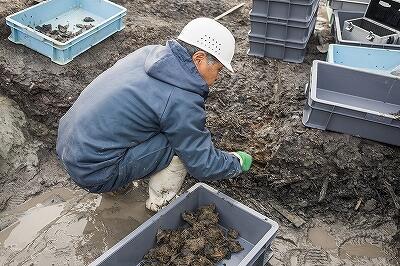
(367, 108)
(296, 10)
(349, 5)
(341, 17)
(286, 30)
(363, 30)
(256, 231)
(288, 51)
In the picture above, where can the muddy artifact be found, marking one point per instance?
(88, 19)
(61, 33)
(84, 27)
(63, 29)
(202, 242)
(45, 28)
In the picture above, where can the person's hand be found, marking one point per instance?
(245, 160)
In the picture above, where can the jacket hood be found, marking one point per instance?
(172, 64)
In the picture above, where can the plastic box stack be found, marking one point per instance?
(281, 29)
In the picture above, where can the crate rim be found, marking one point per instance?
(313, 89)
(310, 2)
(350, 1)
(274, 20)
(258, 246)
(62, 45)
(333, 45)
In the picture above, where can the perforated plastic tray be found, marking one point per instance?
(256, 231)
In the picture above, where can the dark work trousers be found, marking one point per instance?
(138, 162)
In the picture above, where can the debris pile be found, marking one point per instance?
(204, 242)
(62, 34)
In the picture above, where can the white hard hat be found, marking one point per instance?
(212, 37)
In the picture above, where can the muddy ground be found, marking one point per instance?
(258, 109)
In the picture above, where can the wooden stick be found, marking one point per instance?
(358, 204)
(229, 11)
(293, 218)
(392, 194)
(322, 194)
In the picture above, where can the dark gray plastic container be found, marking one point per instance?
(293, 52)
(349, 5)
(296, 10)
(341, 17)
(256, 231)
(354, 102)
(281, 30)
(289, 52)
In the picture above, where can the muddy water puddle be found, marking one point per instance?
(73, 226)
(361, 250)
(30, 224)
(321, 238)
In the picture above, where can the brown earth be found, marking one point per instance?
(258, 109)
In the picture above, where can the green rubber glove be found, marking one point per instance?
(245, 160)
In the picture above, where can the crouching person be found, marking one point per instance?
(145, 117)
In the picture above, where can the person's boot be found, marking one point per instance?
(165, 185)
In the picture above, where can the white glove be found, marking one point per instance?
(165, 185)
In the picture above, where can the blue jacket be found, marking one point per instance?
(156, 89)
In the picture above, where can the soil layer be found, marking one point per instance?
(308, 172)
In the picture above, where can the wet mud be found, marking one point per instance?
(258, 109)
(69, 227)
(202, 242)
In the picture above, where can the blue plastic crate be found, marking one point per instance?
(377, 60)
(108, 19)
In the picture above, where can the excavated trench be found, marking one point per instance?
(341, 186)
